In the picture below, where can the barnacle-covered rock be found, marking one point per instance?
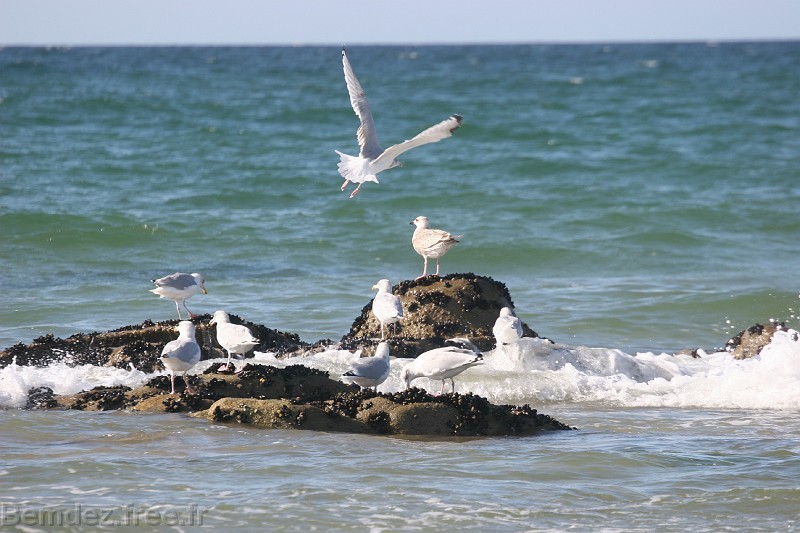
(435, 309)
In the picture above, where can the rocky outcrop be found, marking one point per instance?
(435, 309)
(458, 305)
(302, 398)
(412, 412)
(750, 342)
(297, 396)
(138, 345)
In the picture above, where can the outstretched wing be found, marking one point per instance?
(433, 134)
(367, 137)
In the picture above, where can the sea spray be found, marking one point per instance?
(538, 372)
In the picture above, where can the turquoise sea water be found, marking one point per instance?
(634, 198)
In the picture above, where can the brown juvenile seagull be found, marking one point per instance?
(372, 159)
(431, 243)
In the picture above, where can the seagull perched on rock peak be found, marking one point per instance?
(431, 243)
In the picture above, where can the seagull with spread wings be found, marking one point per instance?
(372, 159)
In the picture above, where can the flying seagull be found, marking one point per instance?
(372, 159)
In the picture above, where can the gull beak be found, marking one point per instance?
(204, 289)
(375, 287)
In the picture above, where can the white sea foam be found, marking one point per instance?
(16, 380)
(530, 371)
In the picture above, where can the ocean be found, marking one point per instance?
(638, 200)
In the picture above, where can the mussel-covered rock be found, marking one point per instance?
(749, 342)
(139, 345)
(435, 309)
(304, 398)
(413, 412)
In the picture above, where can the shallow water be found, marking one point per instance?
(662, 442)
(632, 469)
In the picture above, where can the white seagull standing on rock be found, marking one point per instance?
(372, 159)
(386, 306)
(234, 338)
(370, 371)
(179, 287)
(431, 243)
(507, 328)
(181, 354)
(442, 363)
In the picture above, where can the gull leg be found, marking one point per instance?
(454, 385)
(178, 307)
(443, 385)
(191, 315)
(188, 387)
(172, 380)
(225, 366)
(424, 267)
(437, 267)
(344, 185)
(356, 190)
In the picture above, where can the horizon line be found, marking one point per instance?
(299, 44)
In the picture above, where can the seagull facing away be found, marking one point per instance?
(386, 306)
(442, 363)
(372, 159)
(431, 243)
(507, 328)
(179, 287)
(181, 354)
(370, 371)
(234, 338)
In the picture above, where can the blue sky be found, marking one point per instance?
(81, 22)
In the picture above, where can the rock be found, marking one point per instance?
(435, 309)
(303, 398)
(138, 345)
(413, 412)
(750, 342)
(296, 383)
(278, 414)
(41, 398)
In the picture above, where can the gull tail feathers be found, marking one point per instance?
(353, 168)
